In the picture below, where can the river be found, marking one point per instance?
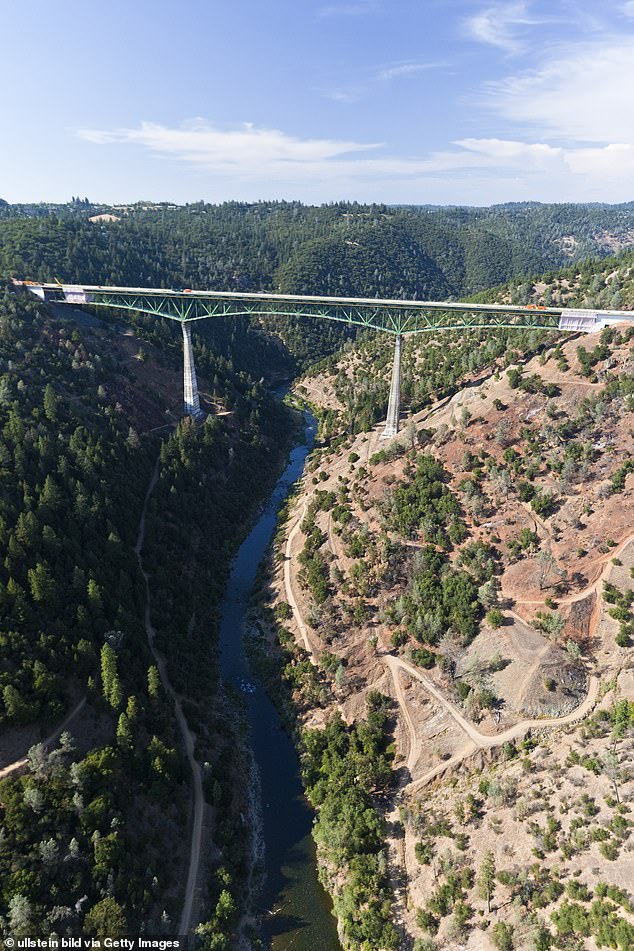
(297, 910)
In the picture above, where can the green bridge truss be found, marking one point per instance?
(396, 317)
(390, 316)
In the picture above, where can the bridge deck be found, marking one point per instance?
(389, 315)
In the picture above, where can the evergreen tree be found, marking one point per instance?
(486, 878)
(106, 919)
(50, 403)
(153, 682)
(124, 733)
(108, 670)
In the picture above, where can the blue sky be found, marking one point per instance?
(416, 101)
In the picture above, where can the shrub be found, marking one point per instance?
(502, 936)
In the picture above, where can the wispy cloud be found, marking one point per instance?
(501, 25)
(385, 74)
(403, 70)
(582, 92)
(250, 162)
(628, 8)
(240, 150)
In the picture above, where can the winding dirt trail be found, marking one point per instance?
(288, 585)
(414, 740)
(604, 565)
(52, 738)
(486, 742)
(483, 740)
(186, 734)
(477, 740)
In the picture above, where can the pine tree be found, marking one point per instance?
(486, 878)
(42, 584)
(20, 917)
(50, 403)
(132, 708)
(153, 682)
(108, 669)
(124, 733)
(94, 594)
(106, 919)
(51, 495)
(116, 693)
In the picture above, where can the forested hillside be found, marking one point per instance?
(473, 579)
(237, 245)
(605, 284)
(363, 250)
(86, 825)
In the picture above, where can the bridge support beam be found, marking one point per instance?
(191, 400)
(394, 405)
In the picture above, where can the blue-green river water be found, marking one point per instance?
(297, 914)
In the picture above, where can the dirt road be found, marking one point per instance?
(52, 738)
(288, 585)
(186, 734)
(396, 664)
(484, 741)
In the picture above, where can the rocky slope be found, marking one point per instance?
(477, 572)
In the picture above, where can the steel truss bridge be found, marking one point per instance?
(397, 317)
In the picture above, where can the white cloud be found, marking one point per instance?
(248, 162)
(386, 74)
(243, 150)
(406, 69)
(500, 25)
(628, 8)
(582, 93)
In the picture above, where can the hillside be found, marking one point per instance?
(95, 779)
(243, 245)
(357, 384)
(362, 250)
(607, 284)
(434, 603)
(475, 573)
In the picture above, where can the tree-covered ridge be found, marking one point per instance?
(72, 483)
(76, 849)
(344, 769)
(353, 249)
(435, 364)
(210, 481)
(242, 245)
(607, 284)
(85, 828)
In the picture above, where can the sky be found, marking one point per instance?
(395, 101)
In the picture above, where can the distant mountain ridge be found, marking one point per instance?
(340, 248)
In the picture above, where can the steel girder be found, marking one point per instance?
(394, 317)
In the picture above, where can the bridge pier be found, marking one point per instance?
(394, 405)
(191, 400)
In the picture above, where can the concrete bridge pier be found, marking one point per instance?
(191, 400)
(394, 405)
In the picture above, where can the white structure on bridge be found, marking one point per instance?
(394, 405)
(191, 400)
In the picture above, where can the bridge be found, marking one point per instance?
(400, 318)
